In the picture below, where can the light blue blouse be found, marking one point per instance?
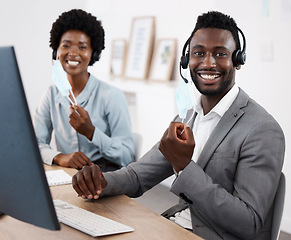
(107, 108)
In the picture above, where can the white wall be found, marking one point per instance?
(26, 25)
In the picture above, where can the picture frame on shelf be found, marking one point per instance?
(163, 60)
(118, 57)
(140, 48)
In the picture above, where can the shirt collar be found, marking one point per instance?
(223, 105)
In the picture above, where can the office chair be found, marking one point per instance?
(278, 208)
(137, 139)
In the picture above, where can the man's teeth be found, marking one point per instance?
(74, 63)
(209, 77)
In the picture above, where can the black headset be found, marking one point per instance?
(238, 56)
(94, 57)
(54, 54)
(184, 60)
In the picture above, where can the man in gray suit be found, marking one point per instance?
(227, 160)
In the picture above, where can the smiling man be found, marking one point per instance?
(227, 160)
(98, 128)
(211, 64)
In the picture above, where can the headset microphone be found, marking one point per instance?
(185, 79)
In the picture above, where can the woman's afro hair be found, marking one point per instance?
(77, 19)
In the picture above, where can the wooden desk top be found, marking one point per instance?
(147, 224)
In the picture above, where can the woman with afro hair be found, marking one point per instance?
(97, 129)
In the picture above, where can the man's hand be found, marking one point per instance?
(89, 182)
(81, 122)
(177, 145)
(74, 160)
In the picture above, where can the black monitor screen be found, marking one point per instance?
(24, 192)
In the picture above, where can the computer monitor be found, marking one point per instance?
(24, 191)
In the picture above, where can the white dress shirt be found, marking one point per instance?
(204, 124)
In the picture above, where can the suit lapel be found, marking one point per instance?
(228, 120)
(189, 115)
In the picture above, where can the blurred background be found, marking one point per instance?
(265, 76)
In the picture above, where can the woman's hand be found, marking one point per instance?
(81, 122)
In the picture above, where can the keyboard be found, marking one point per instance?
(88, 222)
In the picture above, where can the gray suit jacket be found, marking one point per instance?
(231, 188)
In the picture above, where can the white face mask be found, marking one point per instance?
(61, 81)
(60, 78)
(185, 98)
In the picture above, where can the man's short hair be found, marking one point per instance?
(214, 19)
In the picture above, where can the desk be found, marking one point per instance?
(147, 224)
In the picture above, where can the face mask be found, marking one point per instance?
(185, 98)
(60, 79)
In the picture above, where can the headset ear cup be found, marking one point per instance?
(54, 55)
(184, 61)
(235, 58)
(95, 57)
(238, 58)
(242, 58)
